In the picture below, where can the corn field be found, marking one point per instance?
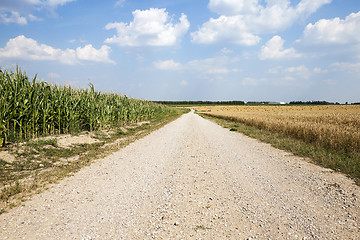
(31, 108)
(335, 126)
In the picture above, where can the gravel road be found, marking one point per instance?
(193, 179)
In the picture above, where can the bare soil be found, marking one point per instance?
(63, 141)
(193, 179)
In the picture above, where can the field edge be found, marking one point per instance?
(346, 163)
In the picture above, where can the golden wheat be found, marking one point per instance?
(332, 126)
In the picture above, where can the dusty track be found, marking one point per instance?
(193, 179)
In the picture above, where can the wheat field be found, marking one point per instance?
(332, 126)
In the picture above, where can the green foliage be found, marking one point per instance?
(200, 103)
(40, 143)
(30, 108)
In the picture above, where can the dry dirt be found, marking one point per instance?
(193, 179)
(63, 141)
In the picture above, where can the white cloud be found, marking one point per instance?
(20, 11)
(274, 49)
(12, 17)
(27, 48)
(89, 53)
(346, 67)
(168, 65)
(240, 21)
(334, 31)
(230, 29)
(22, 47)
(151, 27)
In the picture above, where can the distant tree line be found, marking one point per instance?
(264, 103)
(319, 103)
(209, 103)
(312, 103)
(197, 103)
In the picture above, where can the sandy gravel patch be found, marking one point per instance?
(66, 141)
(6, 156)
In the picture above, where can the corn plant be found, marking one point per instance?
(31, 108)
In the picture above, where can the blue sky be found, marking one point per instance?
(251, 50)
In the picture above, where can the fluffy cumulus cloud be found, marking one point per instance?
(20, 11)
(241, 21)
(225, 29)
(152, 27)
(274, 49)
(334, 31)
(89, 53)
(25, 48)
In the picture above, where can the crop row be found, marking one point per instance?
(31, 108)
(333, 127)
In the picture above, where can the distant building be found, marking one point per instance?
(281, 103)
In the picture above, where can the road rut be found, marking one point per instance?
(193, 179)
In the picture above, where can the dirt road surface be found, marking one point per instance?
(193, 179)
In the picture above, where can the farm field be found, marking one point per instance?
(193, 179)
(332, 127)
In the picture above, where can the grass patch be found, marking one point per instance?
(11, 190)
(341, 161)
(37, 144)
